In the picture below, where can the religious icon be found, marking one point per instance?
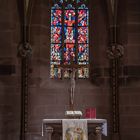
(75, 133)
(66, 73)
(56, 17)
(56, 34)
(82, 35)
(69, 34)
(52, 71)
(82, 18)
(69, 52)
(55, 53)
(83, 54)
(72, 87)
(69, 28)
(69, 18)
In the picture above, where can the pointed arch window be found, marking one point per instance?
(69, 38)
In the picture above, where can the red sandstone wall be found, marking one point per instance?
(129, 91)
(9, 71)
(49, 98)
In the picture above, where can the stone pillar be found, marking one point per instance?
(48, 134)
(98, 132)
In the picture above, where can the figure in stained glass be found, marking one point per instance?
(69, 21)
(82, 18)
(56, 17)
(83, 54)
(55, 72)
(82, 35)
(83, 73)
(55, 53)
(69, 38)
(69, 52)
(69, 35)
(69, 18)
(55, 34)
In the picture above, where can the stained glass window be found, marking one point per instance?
(69, 38)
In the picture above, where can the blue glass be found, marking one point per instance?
(78, 1)
(56, 6)
(69, 53)
(56, 17)
(71, 40)
(56, 54)
(83, 54)
(56, 34)
(69, 34)
(55, 72)
(69, 6)
(82, 34)
(83, 6)
(61, 1)
(69, 18)
(82, 17)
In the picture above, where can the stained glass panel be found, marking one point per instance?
(78, 1)
(83, 73)
(82, 35)
(61, 1)
(66, 73)
(82, 18)
(56, 17)
(55, 34)
(69, 18)
(69, 6)
(69, 34)
(55, 72)
(83, 6)
(83, 54)
(56, 54)
(69, 53)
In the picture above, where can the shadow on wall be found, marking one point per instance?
(9, 113)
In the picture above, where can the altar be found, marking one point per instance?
(97, 127)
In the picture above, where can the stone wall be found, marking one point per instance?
(9, 71)
(48, 98)
(130, 79)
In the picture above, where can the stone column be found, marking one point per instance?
(98, 132)
(48, 134)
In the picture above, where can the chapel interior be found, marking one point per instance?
(27, 92)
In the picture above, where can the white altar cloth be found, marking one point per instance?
(89, 121)
(75, 129)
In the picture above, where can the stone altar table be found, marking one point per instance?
(95, 126)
